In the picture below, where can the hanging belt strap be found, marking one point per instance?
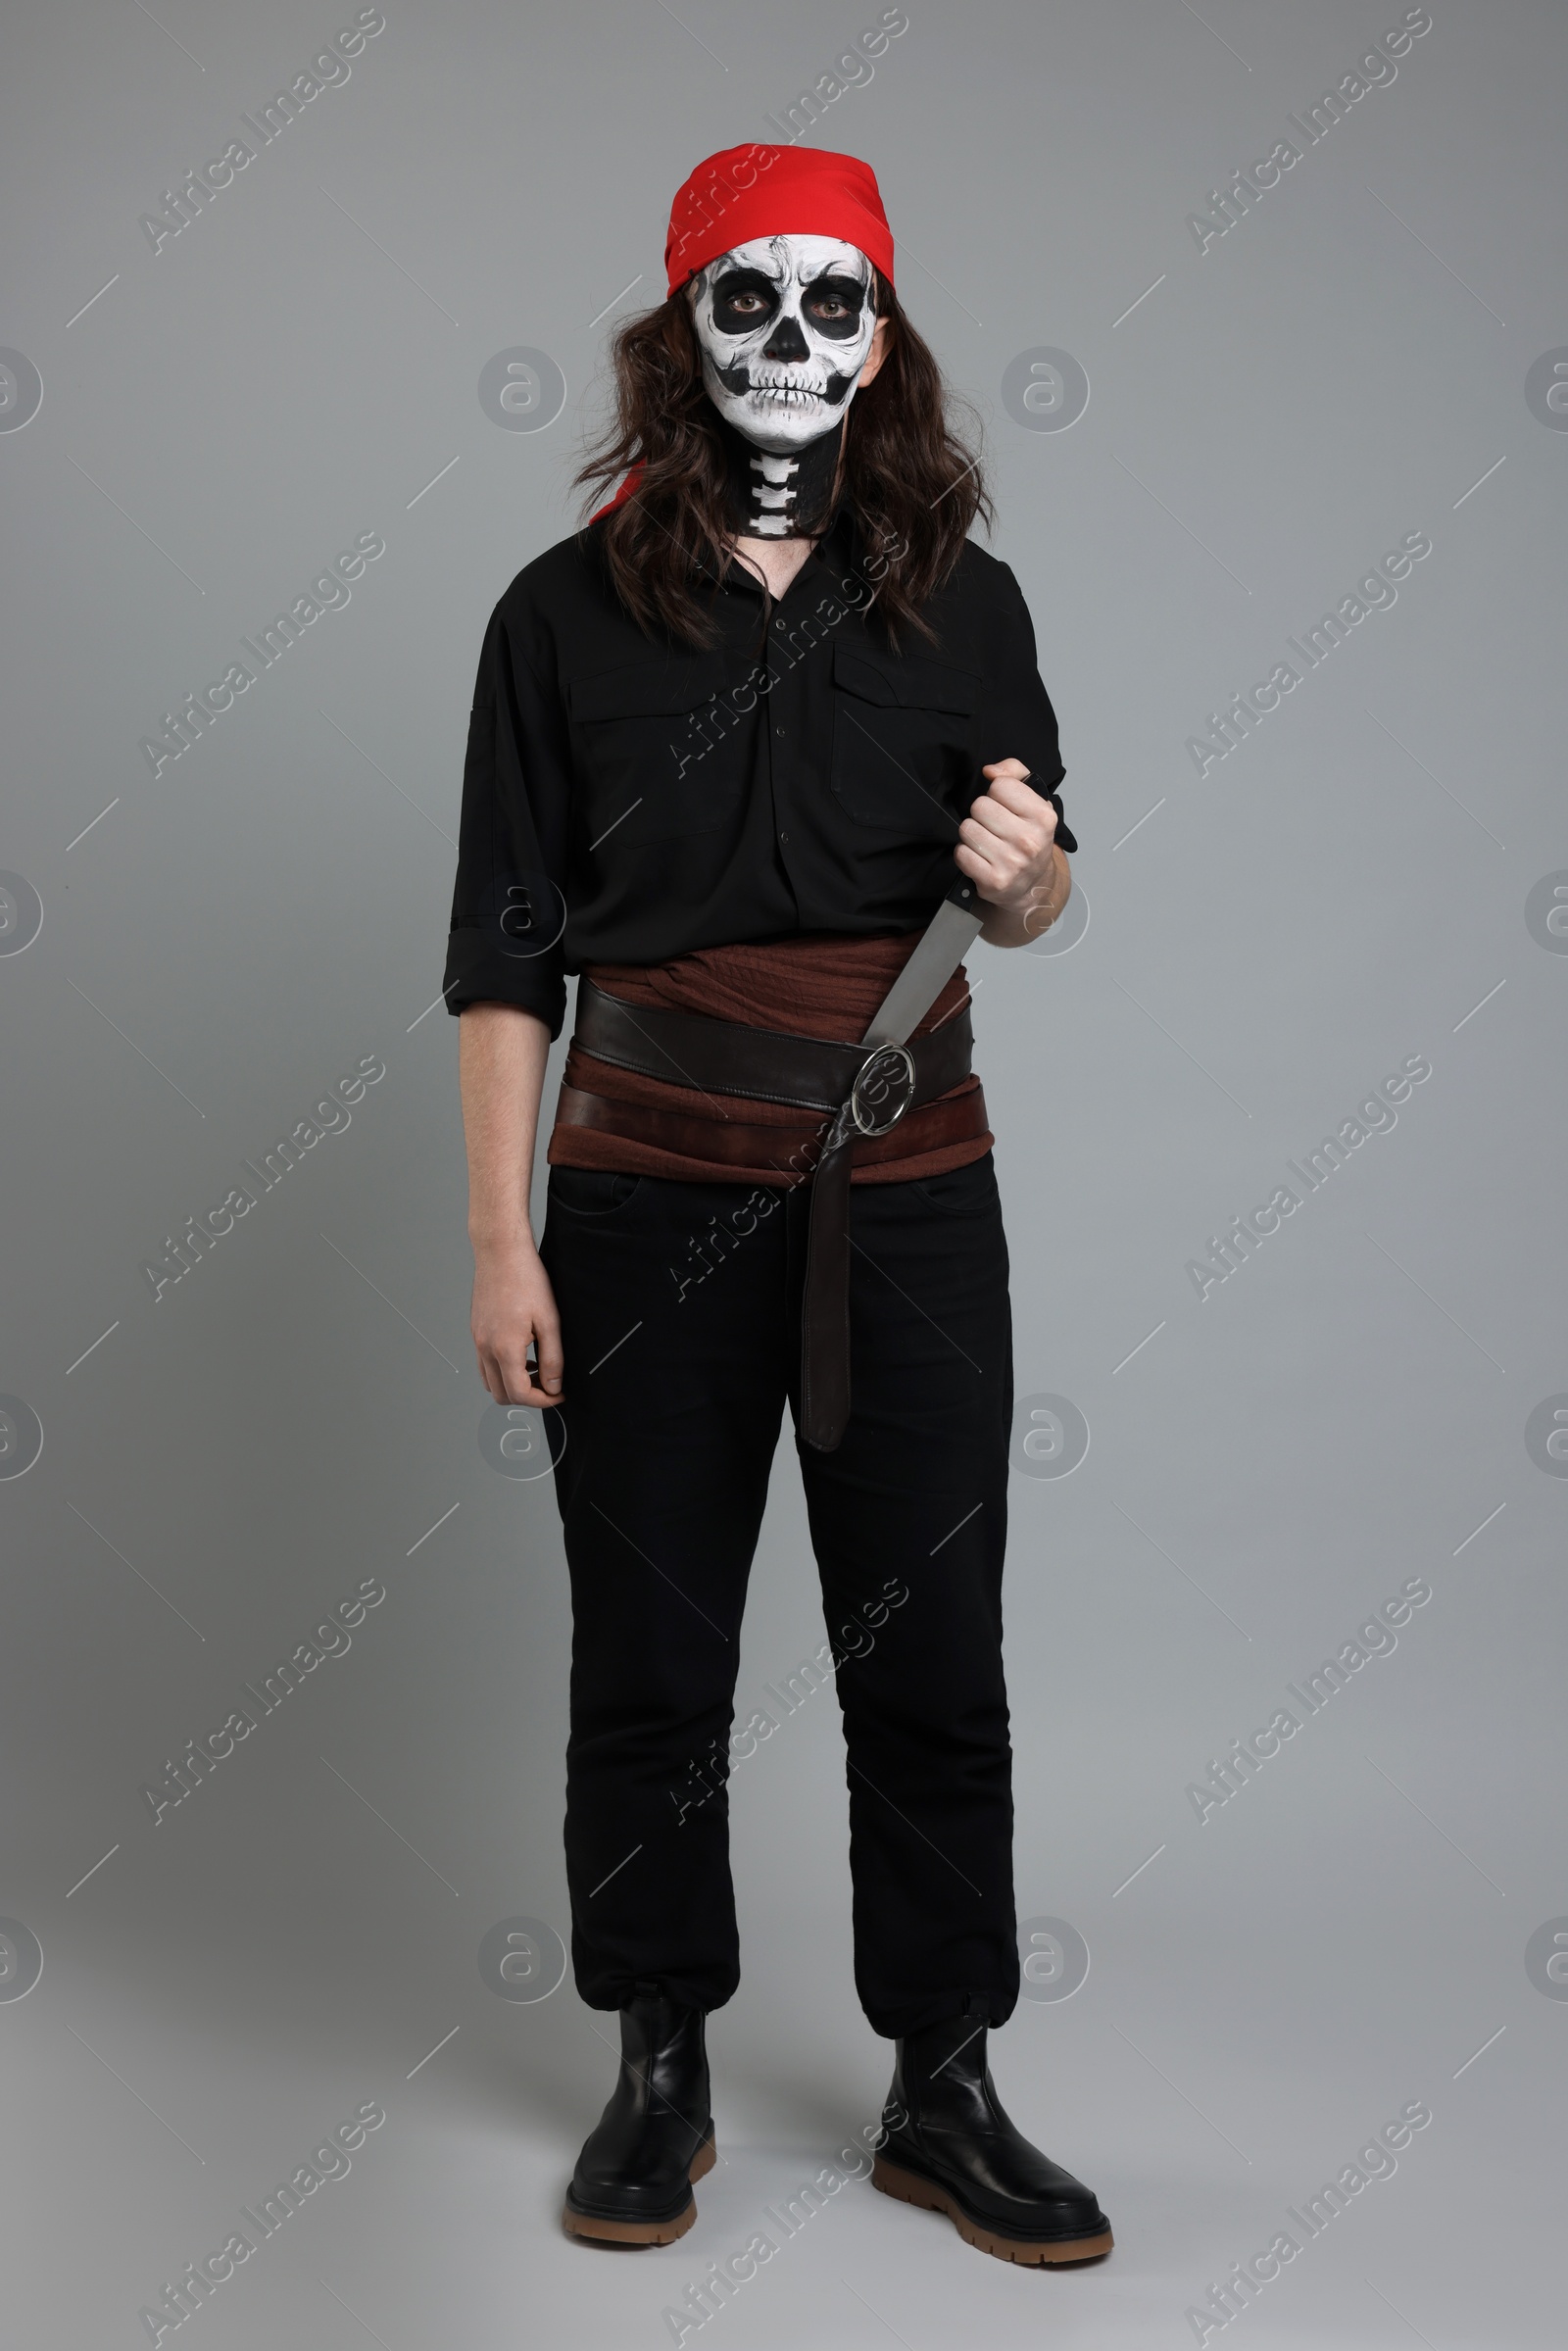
(862, 1091)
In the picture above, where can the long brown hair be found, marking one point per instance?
(913, 485)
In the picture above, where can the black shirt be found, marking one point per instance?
(627, 799)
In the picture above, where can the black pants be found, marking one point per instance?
(680, 1306)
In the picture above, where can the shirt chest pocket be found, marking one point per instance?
(661, 749)
(902, 751)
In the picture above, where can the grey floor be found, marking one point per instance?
(1238, 430)
(1269, 1992)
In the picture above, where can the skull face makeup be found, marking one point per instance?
(785, 326)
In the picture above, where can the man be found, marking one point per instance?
(731, 747)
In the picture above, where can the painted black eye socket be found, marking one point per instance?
(839, 295)
(743, 299)
(835, 305)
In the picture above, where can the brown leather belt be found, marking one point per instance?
(858, 1095)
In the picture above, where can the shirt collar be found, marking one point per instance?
(834, 553)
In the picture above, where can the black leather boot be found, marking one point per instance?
(633, 2182)
(951, 2147)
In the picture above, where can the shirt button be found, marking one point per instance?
(778, 731)
(783, 840)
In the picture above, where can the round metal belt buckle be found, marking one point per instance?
(882, 1090)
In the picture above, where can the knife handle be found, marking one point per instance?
(964, 894)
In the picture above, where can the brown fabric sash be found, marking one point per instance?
(792, 1149)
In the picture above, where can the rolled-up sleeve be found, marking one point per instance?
(508, 906)
(1019, 720)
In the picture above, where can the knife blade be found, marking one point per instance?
(942, 947)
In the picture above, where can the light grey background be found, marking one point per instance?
(301, 365)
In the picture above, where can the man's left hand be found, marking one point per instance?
(1006, 847)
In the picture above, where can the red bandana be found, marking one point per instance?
(748, 192)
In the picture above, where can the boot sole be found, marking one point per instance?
(1031, 2252)
(604, 2231)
